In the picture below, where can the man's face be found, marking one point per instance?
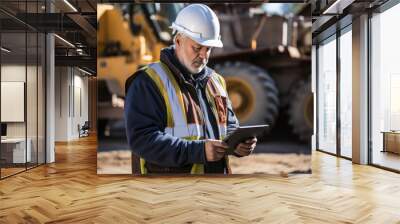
(191, 54)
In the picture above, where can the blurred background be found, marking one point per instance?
(266, 61)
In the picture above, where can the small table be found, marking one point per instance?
(391, 141)
(13, 150)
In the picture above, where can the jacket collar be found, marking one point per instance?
(183, 76)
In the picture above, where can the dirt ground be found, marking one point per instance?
(114, 162)
(119, 162)
(271, 163)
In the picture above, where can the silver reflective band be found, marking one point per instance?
(222, 129)
(185, 131)
(178, 116)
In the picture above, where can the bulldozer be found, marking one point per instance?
(265, 60)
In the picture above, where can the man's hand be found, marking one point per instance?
(245, 148)
(215, 149)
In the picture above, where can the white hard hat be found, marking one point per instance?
(200, 24)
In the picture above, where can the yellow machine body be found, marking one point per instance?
(132, 50)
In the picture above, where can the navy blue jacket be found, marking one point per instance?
(146, 119)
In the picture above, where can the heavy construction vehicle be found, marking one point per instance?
(265, 59)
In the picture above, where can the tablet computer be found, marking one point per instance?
(243, 133)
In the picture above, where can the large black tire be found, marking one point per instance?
(254, 95)
(301, 110)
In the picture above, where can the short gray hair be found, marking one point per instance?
(175, 35)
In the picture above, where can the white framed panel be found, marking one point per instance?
(12, 101)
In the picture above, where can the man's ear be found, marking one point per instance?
(178, 40)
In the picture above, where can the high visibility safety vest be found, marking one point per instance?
(177, 122)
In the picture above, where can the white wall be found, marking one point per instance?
(71, 94)
(61, 103)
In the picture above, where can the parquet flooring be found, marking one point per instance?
(10, 171)
(70, 191)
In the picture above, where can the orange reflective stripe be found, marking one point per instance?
(210, 97)
(211, 101)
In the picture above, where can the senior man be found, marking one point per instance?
(177, 110)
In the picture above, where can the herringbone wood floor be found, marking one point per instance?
(69, 191)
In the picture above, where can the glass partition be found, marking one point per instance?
(327, 95)
(41, 86)
(14, 153)
(385, 89)
(22, 77)
(31, 97)
(346, 92)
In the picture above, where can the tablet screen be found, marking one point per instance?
(243, 133)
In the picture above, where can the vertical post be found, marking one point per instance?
(50, 93)
(360, 90)
(317, 75)
(25, 111)
(338, 98)
(314, 91)
(0, 101)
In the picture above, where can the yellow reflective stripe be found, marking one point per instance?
(153, 75)
(178, 91)
(221, 80)
(197, 169)
(227, 165)
(143, 169)
(218, 83)
(191, 138)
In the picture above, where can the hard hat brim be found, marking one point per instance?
(210, 43)
(207, 43)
